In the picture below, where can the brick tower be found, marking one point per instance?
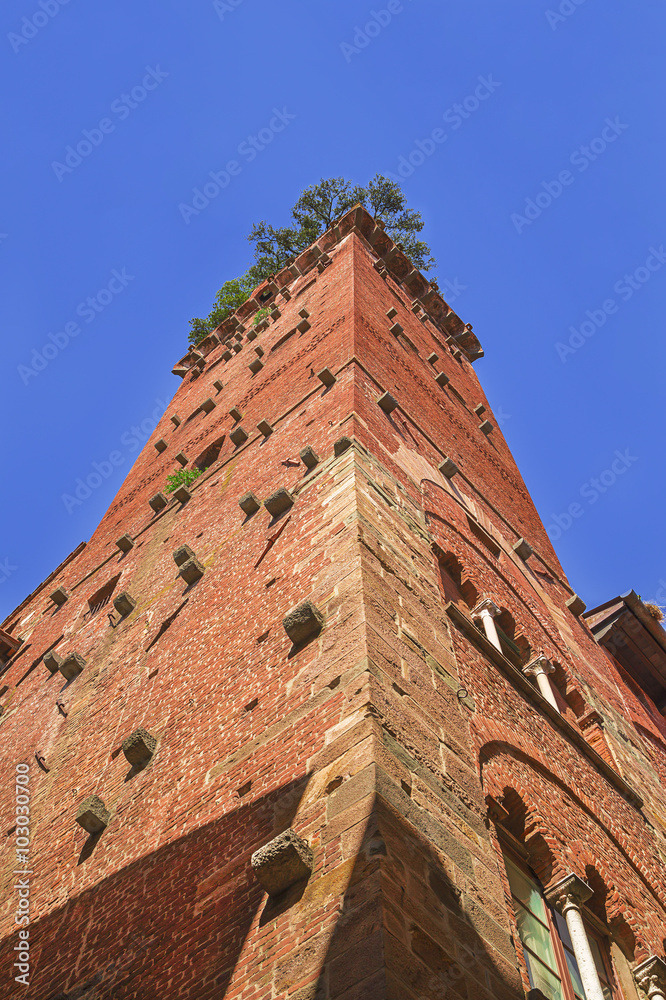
(329, 724)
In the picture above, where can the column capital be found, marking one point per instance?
(539, 665)
(570, 891)
(487, 606)
(650, 975)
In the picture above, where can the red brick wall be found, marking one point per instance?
(378, 741)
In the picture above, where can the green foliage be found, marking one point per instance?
(317, 208)
(232, 295)
(181, 478)
(259, 315)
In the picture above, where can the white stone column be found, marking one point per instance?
(567, 896)
(650, 976)
(539, 668)
(487, 610)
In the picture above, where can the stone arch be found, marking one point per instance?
(607, 904)
(526, 826)
(624, 911)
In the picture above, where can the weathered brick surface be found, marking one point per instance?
(376, 740)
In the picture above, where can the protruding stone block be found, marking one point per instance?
(432, 358)
(396, 329)
(237, 348)
(139, 747)
(256, 366)
(486, 427)
(93, 815)
(285, 293)
(207, 405)
(175, 420)
(309, 457)
(158, 502)
(479, 409)
(279, 501)
(227, 355)
(303, 622)
(448, 468)
(181, 458)
(72, 666)
(282, 862)
(124, 603)
(238, 436)
(52, 661)
(275, 313)
(217, 385)
(576, 605)
(304, 313)
(182, 554)
(441, 379)
(251, 334)
(523, 549)
(235, 413)
(191, 571)
(249, 503)
(59, 596)
(392, 313)
(264, 427)
(259, 351)
(161, 445)
(125, 543)
(303, 326)
(342, 445)
(182, 494)
(327, 377)
(387, 402)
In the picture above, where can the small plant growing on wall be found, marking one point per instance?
(260, 315)
(181, 478)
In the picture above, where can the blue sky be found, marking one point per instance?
(542, 192)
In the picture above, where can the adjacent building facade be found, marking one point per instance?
(329, 723)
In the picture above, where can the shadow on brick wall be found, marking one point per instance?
(169, 925)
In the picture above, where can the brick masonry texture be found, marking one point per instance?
(378, 740)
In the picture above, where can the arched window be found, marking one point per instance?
(547, 948)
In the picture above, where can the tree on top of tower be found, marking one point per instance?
(317, 209)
